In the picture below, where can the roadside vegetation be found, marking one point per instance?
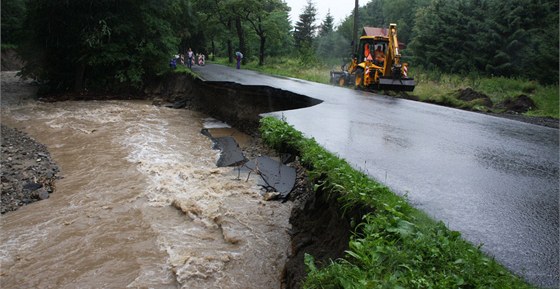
(393, 246)
(434, 86)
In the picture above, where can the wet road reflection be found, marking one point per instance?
(495, 180)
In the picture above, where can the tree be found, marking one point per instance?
(261, 16)
(101, 44)
(372, 14)
(328, 25)
(501, 38)
(13, 13)
(304, 31)
(280, 39)
(219, 11)
(330, 45)
(540, 55)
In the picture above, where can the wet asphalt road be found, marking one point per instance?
(493, 179)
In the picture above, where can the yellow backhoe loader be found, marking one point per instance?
(376, 65)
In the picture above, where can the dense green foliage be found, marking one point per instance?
(395, 246)
(116, 45)
(78, 45)
(503, 38)
(13, 12)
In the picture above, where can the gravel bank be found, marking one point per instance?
(28, 172)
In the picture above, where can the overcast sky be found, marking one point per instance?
(339, 9)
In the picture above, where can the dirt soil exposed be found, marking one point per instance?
(468, 94)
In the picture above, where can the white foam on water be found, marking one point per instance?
(214, 229)
(210, 122)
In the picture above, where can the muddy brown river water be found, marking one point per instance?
(141, 205)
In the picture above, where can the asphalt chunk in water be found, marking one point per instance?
(275, 175)
(230, 153)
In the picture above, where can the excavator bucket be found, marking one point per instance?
(400, 84)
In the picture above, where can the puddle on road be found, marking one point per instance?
(141, 205)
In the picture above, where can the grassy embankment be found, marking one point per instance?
(395, 246)
(434, 86)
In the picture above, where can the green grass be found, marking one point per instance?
(432, 86)
(395, 246)
(285, 66)
(436, 86)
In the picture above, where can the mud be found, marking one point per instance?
(320, 229)
(517, 104)
(468, 95)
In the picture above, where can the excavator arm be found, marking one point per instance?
(393, 55)
(394, 73)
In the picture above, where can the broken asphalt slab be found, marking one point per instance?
(275, 175)
(230, 152)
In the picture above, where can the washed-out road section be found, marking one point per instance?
(493, 179)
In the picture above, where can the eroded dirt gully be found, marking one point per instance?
(134, 208)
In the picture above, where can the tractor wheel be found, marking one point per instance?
(359, 82)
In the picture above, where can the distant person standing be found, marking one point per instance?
(238, 56)
(190, 58)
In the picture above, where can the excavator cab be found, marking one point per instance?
(377, 65)
(370, 48)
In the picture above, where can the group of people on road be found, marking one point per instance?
(198, 58)
(190, 60)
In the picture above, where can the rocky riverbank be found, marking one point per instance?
(28, 172)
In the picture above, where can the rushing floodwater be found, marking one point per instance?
(141, 205)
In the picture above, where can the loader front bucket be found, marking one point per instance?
(341, 78)
(402, 84)
(336, 76)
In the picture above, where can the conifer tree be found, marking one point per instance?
(305, 28)
(328, 25)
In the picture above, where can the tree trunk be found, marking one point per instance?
(213, 50)
(241, 37)
(355, 33)
(229, 51)
(261, 49)
(229, 44)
